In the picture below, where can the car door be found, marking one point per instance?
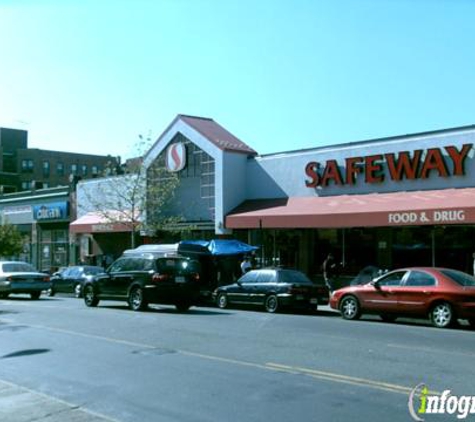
(266, 283)
(241, 291)
(382, 295)
(119, 278)
(61, 280)
(416, 292)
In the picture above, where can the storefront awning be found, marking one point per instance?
(94, 222)
(437, 207)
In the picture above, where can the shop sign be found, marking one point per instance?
(176, 157)
(53, 211)
(20, 209)
(445, 162)
(427, 217)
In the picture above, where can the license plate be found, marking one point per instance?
(179, 279)
(314, 301)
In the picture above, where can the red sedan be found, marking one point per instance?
(442, 294)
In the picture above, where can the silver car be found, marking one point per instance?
(21, 277)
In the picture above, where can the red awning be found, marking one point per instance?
(94, 222)
(437, 207)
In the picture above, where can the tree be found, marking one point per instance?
(11, 241)
(125, 193)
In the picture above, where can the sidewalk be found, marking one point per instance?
(18, 404)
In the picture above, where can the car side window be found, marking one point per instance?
(250, 277)
(420, 279)
(119, 265)
(266, 277)
(392, 279)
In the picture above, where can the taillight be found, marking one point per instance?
(158, 278)
(46, 278)
(195, 276)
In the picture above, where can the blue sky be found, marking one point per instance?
(91, 75)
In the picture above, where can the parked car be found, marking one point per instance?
(21, 277)
(71, 279)
(144, 278)
(273, 288)
(443, 295)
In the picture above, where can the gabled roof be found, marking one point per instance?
(216, 134)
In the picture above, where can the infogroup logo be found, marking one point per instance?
(422, 402)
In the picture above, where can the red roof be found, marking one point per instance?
(215, 133)
(438, 207)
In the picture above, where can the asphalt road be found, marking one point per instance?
(221, 365)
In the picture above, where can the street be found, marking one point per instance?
(224, 365)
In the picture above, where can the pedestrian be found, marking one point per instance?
(329, 269)
(246, 265)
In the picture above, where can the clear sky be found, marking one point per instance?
(91, 75)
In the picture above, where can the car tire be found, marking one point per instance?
(388, 317)
(471, 323)
(3, 295)
(90, 298)
(222, 301)
(35, 295)
(50, 292)
(442, 315)
(136, 300)
(271, 303)
(77, 290)
(350, 308)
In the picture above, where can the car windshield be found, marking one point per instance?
(294, 277)
(460, 277)
(18, 267)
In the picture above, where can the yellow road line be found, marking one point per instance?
(313, 373)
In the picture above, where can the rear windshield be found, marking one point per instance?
(174, 266)
(18, 267)
(293, 277)
(459, 277)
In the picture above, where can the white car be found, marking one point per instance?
(21, 277)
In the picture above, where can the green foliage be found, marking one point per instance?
(11, 241)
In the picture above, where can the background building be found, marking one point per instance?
(23, 168)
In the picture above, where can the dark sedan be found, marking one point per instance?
(440, 294)
(272, 288)
(21, 277)
(72, 279)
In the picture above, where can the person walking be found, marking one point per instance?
(329, 269)
(246, 265)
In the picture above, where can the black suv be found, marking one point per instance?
(146, 278)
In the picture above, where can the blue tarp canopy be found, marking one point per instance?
(216, 247)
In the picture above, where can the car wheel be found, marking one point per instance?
(90, 298)
(35, 295)
(222, 300)
(471, 323)
(50, 292)
(3, 295)
(136, 299)
(388, 318)
(182, 307)
(442, 315)
(350, 308)
(77, 290)
(271, 304)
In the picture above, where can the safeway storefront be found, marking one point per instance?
(391, 202)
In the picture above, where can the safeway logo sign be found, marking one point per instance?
(176, 157)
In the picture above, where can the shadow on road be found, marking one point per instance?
(26, 352)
